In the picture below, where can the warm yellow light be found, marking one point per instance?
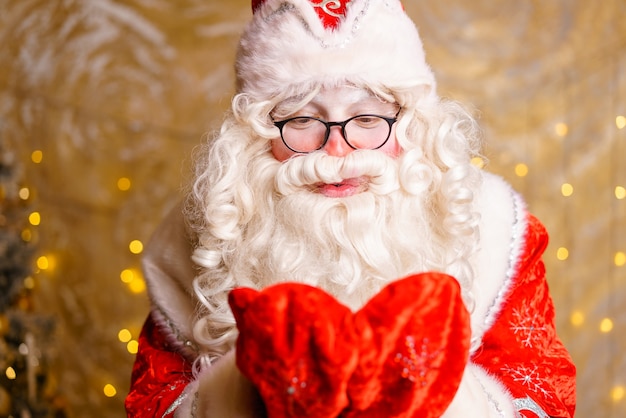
(43, 263)
(567, 189)
(34, 218)
(132, 346)
(24, 193)
(521, 170)
(36, 156)
(620, 192)
(124, 335)
(27, 235)
(478, 162)
(136, 246)
(577, 318)
(109, 390)
(123, 183)
(620, 259)
(618, 393)
(127, 275)
(562, 253)
(137, 286)
(561, 129)
(10, 373)
(620, 122)
(29, 283)
(606, 325)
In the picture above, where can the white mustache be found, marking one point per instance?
(378, 170)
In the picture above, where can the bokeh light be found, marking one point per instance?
(132, 346)
(606, 325)
(521, 170)
(34, 218)
(109, 390)
(24, 193)
(123, 184)
(577, 318)
(567, 189)
(561, 129)
(136, 247)
(124, 335)
(36, 156)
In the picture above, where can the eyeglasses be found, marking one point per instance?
(304, 134)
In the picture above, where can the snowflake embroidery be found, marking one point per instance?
(297, 382)
(418, 361)
(529, 377)
(527, 327)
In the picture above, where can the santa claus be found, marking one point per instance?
(339, 255)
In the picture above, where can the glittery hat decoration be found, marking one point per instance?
(329, 11)
(363, 42)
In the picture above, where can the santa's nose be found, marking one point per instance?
(336, 144)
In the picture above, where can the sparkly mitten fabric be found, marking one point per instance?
(401, 355)
(298, 347)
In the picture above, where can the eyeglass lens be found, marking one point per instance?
(306, 134)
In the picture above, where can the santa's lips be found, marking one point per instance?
(345, 188)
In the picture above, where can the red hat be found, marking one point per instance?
(365, 42)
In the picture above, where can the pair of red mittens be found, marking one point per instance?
(401, 355)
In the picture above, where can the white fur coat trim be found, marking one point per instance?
(169, 274)
(480, 396)
(225, 392)
(502, 238)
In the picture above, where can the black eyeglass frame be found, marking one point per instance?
(281, 123)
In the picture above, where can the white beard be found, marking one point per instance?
(350, 246)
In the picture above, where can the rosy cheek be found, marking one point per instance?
(280, 151)
(392, 148)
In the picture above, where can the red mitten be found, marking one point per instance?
(297, 346)
(415, 344)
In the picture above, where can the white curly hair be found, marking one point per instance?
(257, 225)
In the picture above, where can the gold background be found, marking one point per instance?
(111, 90)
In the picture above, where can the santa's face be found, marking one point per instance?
(335, 105)
(335, 217)
(346, 220)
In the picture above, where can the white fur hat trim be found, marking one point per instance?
(286, 43)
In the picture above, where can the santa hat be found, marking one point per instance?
(299, 42)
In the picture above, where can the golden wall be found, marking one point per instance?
(102, 103)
